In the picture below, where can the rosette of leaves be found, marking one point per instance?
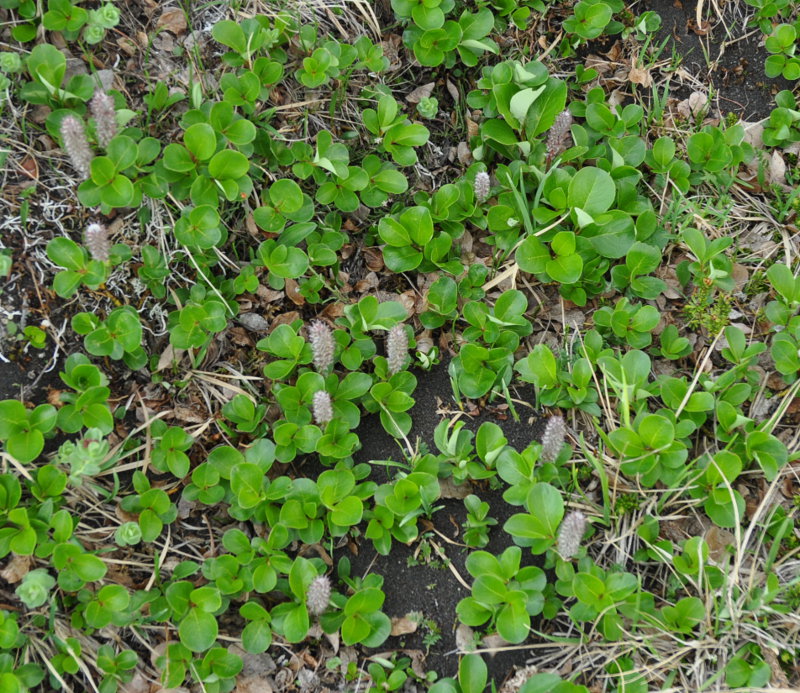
(47, 68)
(503, 594)
(87, 405)
(437, 43)
(411, 243)
(627, 322)
(79, 267)
(527, 98)
(202, 316)
(383, 180)
(649, 450)
(592, 18)
(394, 133)
(119, 336)
(783, 62)
(400, 503)
(86, 457)
(202, 167)
(114, 176)
(783, 126)
(23, 430)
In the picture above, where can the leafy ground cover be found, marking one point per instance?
(406, 345)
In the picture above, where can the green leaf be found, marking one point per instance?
(230, 34)
(522, 101)
(591, 189)
(200, 140)
(64, 252)
(546, 107)
(198, 630)
(88, 567)
(565, 269)
(228, 165)
(532, 255)
(513, 623)
(472, 673)
(296, 624)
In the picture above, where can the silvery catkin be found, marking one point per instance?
(97, 242)
(553, 438)
(570, 534)
(397, 348)
(322, 407)
(105, 117)
(322, 346)
(76, 144)
(481, 186)
(558, 133)
(318, 595)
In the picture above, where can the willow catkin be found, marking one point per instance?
(322, 346)
(482, 186)
(322, 408)
(397, 348)
(76, 144)
(570, 534)
(318, 595)
(557, 135)
(97, 242)
(553, 438)
(105, 117)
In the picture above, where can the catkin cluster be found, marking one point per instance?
(322, 346)
(73, 132)
(570, 534)
(481, 186)
(105, 117)
(557, 135)
(397, 348)
(80, 153)
(318, 595)
(553, 438)
(97, 242)
(322, 408)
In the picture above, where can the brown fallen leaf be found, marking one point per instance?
(641, 76)
(293, 292)
(403, 625)
(449, 489)
(168, 356)
(718, 541)
(453, 91)
(30, 167)
(172, 20)
(17, 568)
(284, 319)
(420, 93)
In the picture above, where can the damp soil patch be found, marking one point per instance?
(723, 54)
(26, 373)
(421, 578)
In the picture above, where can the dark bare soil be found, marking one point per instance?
(718, 56)
(28, 372)
(416, 577)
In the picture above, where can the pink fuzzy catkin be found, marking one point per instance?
(322, 346)
(557, 135)
(97, 242)
(397, 348)
(553, 438)
(482, 186)
(76, 144)
(318, 595)
(570, 534)
(322, 407)
(105, 117)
